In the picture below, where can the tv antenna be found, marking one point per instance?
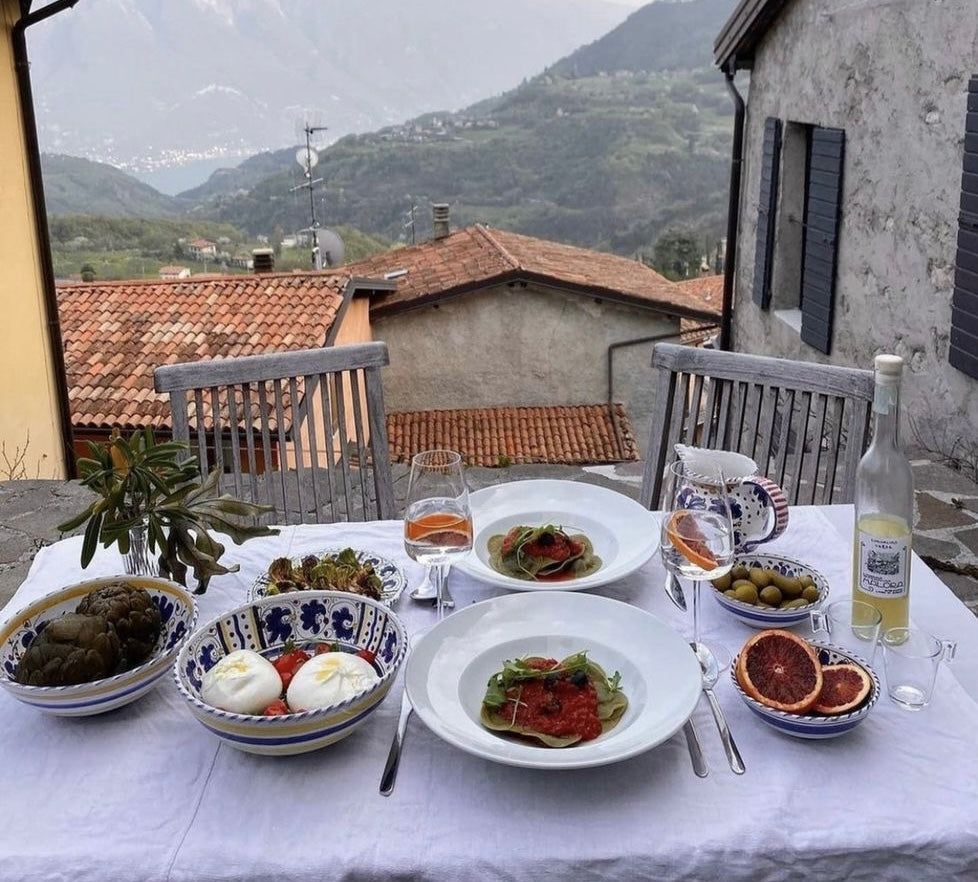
(308, 158)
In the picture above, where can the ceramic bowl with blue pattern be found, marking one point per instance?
(177, 611)
(305, 619)
(816, 725)
(761, 617)
(392, 580)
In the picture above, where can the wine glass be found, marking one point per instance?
(437, 517)
(697, 539)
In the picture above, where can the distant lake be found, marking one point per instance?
(177, 178)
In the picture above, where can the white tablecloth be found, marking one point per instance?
(145, 793)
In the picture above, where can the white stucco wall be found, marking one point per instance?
(520, 346)
(894, 74)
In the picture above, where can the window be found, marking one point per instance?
(963, 351)
(798, 224)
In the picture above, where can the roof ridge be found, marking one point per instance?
(487, 233)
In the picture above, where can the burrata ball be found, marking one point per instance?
(328, 679)
(242, 682)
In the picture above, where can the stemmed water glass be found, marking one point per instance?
(437, 517)
(697, 539)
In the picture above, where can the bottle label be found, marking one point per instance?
(884, 565)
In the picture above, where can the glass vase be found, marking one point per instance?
(138, 561)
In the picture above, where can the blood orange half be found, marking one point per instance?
(844, 688)
(780, 670)
(686, 537)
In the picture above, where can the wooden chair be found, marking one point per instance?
(304, 431)
(805, 425)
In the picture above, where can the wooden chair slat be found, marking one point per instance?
(306, 434)
(768, 408)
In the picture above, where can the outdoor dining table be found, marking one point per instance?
(146, 793)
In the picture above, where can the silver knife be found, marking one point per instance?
(675, 591)
(700, 768)
(389, 776)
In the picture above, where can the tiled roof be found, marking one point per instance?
(478, 256)
(517, 435)
(708, 290)
(116, 333)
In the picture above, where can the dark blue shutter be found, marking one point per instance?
(963, 352)
(767, 212)
(823, 208)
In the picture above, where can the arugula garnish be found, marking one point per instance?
(517, 671)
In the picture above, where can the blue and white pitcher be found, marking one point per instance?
(758, 506)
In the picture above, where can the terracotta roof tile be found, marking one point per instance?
(116, 333)
(478, 256)
(572, 435)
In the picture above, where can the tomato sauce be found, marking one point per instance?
(559, 705)
(555, 546)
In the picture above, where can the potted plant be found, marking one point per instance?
(151, 492)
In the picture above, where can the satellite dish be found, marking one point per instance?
(331, 247)
(307, 157)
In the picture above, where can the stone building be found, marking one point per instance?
(855, 235)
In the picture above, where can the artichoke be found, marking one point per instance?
(71, 649)
(132, 613)
(280, 570)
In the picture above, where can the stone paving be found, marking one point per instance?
(946, 533)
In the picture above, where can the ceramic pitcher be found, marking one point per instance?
(758, 506)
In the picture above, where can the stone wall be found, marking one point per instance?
(519, 346)
(894, 75)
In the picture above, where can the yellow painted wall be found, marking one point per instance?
(30, 430)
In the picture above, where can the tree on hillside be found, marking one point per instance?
(678, 254)
(88, 272)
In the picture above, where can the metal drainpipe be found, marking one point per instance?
(733, 208)
(638, 341)
(55, 341)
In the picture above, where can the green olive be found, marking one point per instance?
(771, 595)
(740, 572)
(723, 582)
(761, 578)
(807, 581)
(790, 585)
(730, 593)
(810, 593)
(797, 603)
(746, 592)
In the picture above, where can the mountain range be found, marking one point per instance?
(607, 148)
(143, 83)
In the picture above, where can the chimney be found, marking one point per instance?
(440, 214)
(263, 260)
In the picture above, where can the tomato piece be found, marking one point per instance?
(277, 708)
(367, 655)
(288, 663)
(327, 647)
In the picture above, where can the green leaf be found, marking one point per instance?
(91, 540)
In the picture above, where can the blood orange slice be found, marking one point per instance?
(780, 670)
(687, 538)
(844, 688)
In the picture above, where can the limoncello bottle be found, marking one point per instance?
(884, 506)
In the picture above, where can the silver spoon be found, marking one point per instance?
(426, 591)
(711, 672)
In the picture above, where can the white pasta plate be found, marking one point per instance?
(624, 534)
(447, 672)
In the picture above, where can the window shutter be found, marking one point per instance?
(766, 212)
(963, 352)
(823, 209)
